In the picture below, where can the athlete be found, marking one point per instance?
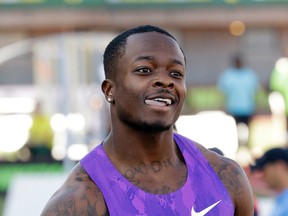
(143, 167)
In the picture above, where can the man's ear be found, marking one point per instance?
(108, 89)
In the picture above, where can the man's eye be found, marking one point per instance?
(177, 74)
(144, 70)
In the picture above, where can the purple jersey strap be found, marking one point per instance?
(202, 194)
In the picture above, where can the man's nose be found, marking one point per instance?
(164, 83)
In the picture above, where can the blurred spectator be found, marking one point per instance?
(239, 85)
(40, 136)
(279, 82)
(273, 166)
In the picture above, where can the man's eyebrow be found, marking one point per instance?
(151, 58)
(148, 58)
(176, 61)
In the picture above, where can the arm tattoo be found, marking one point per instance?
(230, 176)
(77, 197)
(228, 172)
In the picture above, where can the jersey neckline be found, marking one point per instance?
(131, 185)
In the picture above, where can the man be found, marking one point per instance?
(274, 167)
(142, 167)
(41, 135)
(239, 85)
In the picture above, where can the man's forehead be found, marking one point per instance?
(151, 42)
(150, 38)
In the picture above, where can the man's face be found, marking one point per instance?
(150, 82)
(274, 173)
(269, 174)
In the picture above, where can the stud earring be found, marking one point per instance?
(109, 99)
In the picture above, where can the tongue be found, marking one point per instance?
(155, 103)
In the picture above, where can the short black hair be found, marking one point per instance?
(116, 48)
(271, 156)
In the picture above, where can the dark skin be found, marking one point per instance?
(153, 67)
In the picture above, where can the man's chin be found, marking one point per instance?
(152, 127)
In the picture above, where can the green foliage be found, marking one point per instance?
(211, 98)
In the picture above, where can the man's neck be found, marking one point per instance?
(148, 162)
(140, 146)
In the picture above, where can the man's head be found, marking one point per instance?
(116, 48)
(237, 61)
(145, 79)
(274, 166)
(271, 156)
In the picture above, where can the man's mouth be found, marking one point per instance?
(158, 102)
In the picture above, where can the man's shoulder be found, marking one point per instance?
(217, 161)
(222, 165)
(78, 194)
(232, 176)
(80, 180)
(78, 184)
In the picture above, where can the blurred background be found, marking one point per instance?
(52, 111)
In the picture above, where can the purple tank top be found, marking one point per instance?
(202, 194)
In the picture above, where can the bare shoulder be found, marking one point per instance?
(235, 180)
(77, 196)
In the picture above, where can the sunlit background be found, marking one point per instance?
(51, 52)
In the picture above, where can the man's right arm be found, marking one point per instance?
(77, 196)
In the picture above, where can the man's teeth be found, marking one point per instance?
(167, 101)
(159, 102)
